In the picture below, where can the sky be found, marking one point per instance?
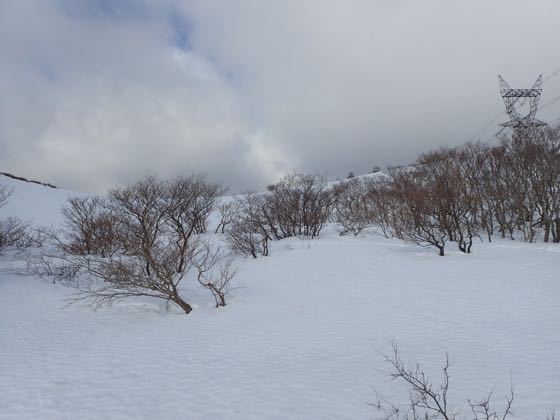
(99, 93)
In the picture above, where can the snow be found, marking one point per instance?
(301, 338)
(34, 203)
(371, 177)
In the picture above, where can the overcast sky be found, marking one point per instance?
(96, 93)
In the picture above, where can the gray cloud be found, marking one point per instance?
(96, 93)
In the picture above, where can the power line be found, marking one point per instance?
(491, 123)
(551, 76)
(550, 103)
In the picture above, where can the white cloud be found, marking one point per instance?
(127, 104)
(88, 101)
(268, 159)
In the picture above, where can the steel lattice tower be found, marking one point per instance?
(512, 97)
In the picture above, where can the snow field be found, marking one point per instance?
(301, 338)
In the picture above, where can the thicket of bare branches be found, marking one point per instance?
(192, 200)
(433, 202)
(461, 194)
(5, 193)
(214, 271)
(227, 211)
(360, 203)
(299, 205)
(140, 240)
(429, 400)
(247, 237)
(90, 227)
(13, 231)
(354, 207)
(416, 208)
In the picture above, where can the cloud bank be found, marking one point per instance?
(95, 93)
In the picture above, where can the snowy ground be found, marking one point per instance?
(300, 339)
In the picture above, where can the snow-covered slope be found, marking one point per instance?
(301, 337)
(375, 176)
(32, 202)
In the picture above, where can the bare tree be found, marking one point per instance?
(516, 184)
(190, 202)
(253, 226)
(193, 200)
(303, 204)
(154, 225)
(90, 226)
(428, 400)
(363, 203)
(299, 205)
(140, 210)
(228, 211)
(244, 237)
(5, 193)
(353, 207)
(535, 158)
(483, 409)
(452, 195)
(455, 204)
(384, 208)
(474, 163)
(147, 266)
(417, 216)
(13, 232)
(215, 271)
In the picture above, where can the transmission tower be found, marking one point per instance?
(519, 122)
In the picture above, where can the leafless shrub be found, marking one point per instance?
(299, 205)
(228, 211)
(455, 205)
(413, 204)
(247, 238)
(417, 219)
(90, 226)
(250, 230)
(192, 199)
(363, 203)
(385, 209)
(13, 233)
(515, 184)
(454, 195)
(121, 276)
(353, 207)
(483, 409)
(50, 267)
(139, 241)
(433, 203)
(214, 271)
(428, 400)
(5, 193)
(533, 160)
(34, 237)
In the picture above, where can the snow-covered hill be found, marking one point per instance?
(301, 338)
(33, 202)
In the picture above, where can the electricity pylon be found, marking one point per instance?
(519, 122)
